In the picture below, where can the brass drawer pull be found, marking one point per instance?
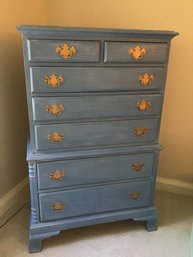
(137, 166)
(143, 105)
(137, 52)
(57, 175)
(55, 109)
(135, 195)
(139, 132)
(56, 137)
(58, 206)
(146, 79)
(65, 51)
(53, 80)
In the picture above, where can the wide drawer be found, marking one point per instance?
(72, 135)
(137, 52)
(63, 51)
(64, 108)
(92, 200)
(94, 170)
(77, 79)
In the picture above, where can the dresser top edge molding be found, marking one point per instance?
(25, 29)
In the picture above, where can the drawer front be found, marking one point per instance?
(63, 108)
(66, 79)
(63, 51)
(135, 52)
(97, 134)
(94, 200)
(94, 170)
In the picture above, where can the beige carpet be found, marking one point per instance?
(120, 239)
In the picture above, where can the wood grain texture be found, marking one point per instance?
(119, 52)
(94, 170)
(96, 199)
(106, 79)
(95, 107)
(95, 134)
(46, 51)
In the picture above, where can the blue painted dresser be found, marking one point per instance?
(94, 101)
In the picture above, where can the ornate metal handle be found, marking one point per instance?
(139, 132)
(137, 52)
(146, 79)
(55, 109)
(135, 195)
(56, 137)
(143, 105)
(57, 175)
(65, 51)
(58, 206)
(137, 166)
(53, 80)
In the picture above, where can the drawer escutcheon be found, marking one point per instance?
(137, 166)
(56, 137)
(53, 80)
(139, 132)
(145, 79)
(143, 105)
(57, 175)
(65, 51)
(55, 109)
(135, 195)
(137, 52)
(58, 206)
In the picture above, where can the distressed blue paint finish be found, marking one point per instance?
(95, 107)
(89, 79)
(46, 51)
(94, 200)
(96, 134)
(94, 170)
(118, 52)
(99, 94)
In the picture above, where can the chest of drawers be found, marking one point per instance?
(94, 101)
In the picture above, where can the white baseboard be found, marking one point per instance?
(191, 241)
(14, 200)
(174, 186)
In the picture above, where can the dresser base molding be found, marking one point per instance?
(39, 231)
(35, 241)
(151, 222)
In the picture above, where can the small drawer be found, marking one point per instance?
(77, 79)
(95, 134)
(94, 170)
(93, 107)
(135, 52)
(93, 200)
(63, 51)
